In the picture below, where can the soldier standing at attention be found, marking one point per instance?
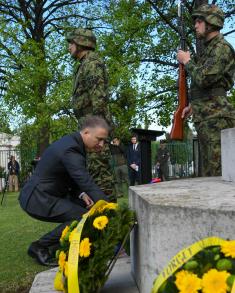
(212, 75)
(162, 160)
(90, 97)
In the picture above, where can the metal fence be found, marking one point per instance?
(5, 157)
(183, 160)
(24, 158)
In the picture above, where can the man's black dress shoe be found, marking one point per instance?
(42, 255)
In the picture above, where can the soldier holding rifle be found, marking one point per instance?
(212, 75)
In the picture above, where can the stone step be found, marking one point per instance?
(120, 280)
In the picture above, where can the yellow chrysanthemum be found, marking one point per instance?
(187, 282)
(66, 229)
(66, 269)
(62, 259)
(58, 281)
(100, 222)
(85, 248)
(228, 248)
(215, 282)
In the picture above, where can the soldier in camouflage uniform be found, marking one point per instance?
(90, 97)
(212, 75)
(162, 160)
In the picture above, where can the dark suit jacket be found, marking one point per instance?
(133, 156)
(13, 168)
(60, 172)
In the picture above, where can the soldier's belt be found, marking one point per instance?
(206, 94)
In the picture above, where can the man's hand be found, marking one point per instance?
(187, 111)
(88, 201)
(133, 166)
(183, 57)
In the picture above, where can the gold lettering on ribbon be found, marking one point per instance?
(73, 283)
(182, 257)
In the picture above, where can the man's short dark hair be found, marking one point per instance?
(95, 121)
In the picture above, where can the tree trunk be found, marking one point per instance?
(41, 89)
(43, 138)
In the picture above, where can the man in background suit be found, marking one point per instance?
(133, 159)
(61, 189)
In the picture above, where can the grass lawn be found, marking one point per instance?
(17, 231)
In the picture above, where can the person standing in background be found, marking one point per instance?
(13, 169)
(134, 161)
(162, 160)
(120, 166)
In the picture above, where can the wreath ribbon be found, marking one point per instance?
(182, 257)
(73, 283)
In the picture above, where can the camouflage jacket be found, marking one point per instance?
(90, 87)
(211, 74)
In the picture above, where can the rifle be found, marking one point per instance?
(177, 130)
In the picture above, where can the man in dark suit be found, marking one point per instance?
(61, 189)
(134, 160)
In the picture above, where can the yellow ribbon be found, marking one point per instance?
(233, 289)
(73, 284)
(182, 257)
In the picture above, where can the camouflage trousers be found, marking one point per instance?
(99, 166)
(122, 181)
(209, 135)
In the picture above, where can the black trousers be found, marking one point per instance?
(74, 210)
(134, 176)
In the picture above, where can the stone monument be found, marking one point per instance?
(173, 215)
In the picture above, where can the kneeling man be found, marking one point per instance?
(61, 189)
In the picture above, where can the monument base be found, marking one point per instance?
(228, 154)
(171, 216)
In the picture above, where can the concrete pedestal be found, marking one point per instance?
(228, 154)
(173, 215)
(120, 280)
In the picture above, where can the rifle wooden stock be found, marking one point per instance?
(177, 130)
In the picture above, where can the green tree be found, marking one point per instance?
(138, 40)
(4, 122)
(34, 70)
(143, 48)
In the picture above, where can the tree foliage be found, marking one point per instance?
(137, 38)
(145, 38)
(35, 75)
